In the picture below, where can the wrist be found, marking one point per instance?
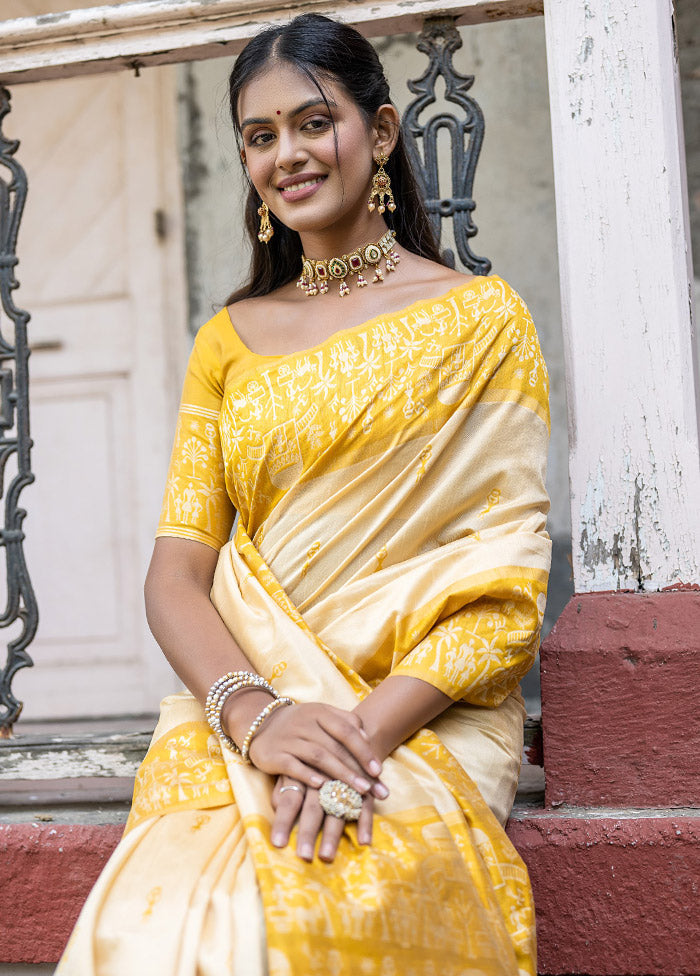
(381, 744)
(240, 711)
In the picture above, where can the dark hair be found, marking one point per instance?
(317, 46)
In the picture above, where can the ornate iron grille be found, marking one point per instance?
(439, 39)
(14, 428)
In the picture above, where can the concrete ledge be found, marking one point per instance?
(616, 892)
(619, 701)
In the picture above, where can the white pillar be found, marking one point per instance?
(624, 259)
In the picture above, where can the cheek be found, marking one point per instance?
(260, 171)
(356, 158)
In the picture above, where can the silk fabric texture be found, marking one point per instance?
(389, 485)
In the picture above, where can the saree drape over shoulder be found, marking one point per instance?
(390, 491)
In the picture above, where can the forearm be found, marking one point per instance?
(196, 642)
(397, 708)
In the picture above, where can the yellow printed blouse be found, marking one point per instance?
(418, 437)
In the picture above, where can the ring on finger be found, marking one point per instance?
(340, 800)
(297, 788)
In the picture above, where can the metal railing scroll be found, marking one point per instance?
(14, 428)
(439, 39)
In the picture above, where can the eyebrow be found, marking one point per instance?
(301, 108)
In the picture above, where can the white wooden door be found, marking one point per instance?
(101, 274)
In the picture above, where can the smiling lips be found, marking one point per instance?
(301, 189)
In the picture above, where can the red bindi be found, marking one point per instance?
(278, 112)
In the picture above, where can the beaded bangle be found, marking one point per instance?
(225, 686)
(221, 691)
(259, 721)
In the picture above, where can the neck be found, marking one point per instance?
(343, 237)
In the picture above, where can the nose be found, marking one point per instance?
(290, 149)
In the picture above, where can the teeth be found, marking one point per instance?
(300, 186)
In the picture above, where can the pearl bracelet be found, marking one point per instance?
(221, 691)
(260, 720)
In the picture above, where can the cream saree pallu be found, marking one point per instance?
(390, 491)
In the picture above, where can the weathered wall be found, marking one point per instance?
(688, 28)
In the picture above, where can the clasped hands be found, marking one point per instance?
(304, 745)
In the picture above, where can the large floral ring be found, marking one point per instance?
(340, 800)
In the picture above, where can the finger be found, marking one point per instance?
(284, 785)
(364, 823)
(310, 821)
(327, 757)
(359, 781)
(347, 730)
(297, 770)
(288, 806)
(333, 828)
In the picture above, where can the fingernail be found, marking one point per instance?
(363, 784)
(325, 853)
(381, 791)
(375, 767)
(317, 781)
(278, 840)
(306, 851)
(365, 839)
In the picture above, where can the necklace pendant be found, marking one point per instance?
(316, 275)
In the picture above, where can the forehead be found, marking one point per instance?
(282, 87)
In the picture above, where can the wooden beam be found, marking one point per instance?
(151, 32)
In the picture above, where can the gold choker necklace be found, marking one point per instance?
(315, 275)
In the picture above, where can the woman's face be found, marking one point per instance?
(290, 148)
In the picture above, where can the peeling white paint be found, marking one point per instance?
(625, 278)
(114, 756)
(69, 765)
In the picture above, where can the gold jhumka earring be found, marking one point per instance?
(381, 188)
(266, 229)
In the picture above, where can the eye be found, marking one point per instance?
(259, 139)
(319, 123)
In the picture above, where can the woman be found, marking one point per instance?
(380, 429)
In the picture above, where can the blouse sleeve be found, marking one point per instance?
(480, 653)
(481, 639)
(196, 504)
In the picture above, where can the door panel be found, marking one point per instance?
(108, 341)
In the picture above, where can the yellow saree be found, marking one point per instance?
(390, 491)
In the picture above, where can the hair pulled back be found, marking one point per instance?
(322, 48)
